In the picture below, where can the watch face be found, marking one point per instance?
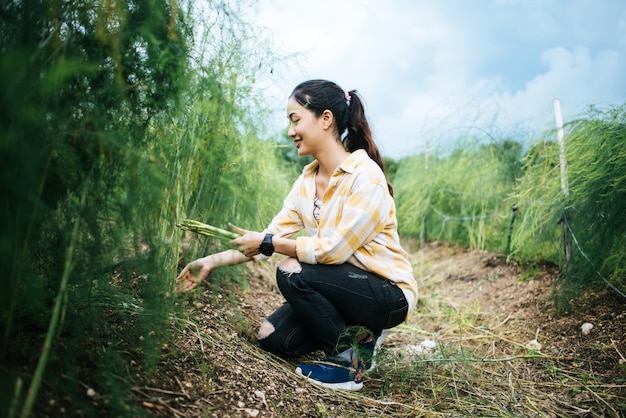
(267, 248)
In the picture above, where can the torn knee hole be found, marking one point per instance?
(265, 330)
(290, 265)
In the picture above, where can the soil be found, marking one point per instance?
(241, 380)
(519, 357)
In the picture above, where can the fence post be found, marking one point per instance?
(567, 242)
(508, 238)
(423, 230)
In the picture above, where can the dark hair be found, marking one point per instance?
(348, 111)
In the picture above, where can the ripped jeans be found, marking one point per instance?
(322, 301)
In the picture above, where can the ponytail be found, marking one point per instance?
(359, 133)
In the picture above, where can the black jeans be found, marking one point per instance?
(322, 301)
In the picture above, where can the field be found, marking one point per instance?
(500, 351)
(117, 127)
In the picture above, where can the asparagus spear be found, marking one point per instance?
(208, 230)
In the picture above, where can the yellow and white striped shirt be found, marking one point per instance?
(357, 222)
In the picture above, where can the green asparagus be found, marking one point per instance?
(208, 230)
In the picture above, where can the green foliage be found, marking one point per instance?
(119, 120)
(596, 206)
(467, 198)
(224, 172)
(461, 198)
(589, 219)
(539, 197)
(82, 82)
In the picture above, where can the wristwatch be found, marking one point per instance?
(267, 248)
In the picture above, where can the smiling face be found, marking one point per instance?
(307, 129)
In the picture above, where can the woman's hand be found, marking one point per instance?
(194, 273)
(249, 241)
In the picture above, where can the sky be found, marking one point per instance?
(433, 71)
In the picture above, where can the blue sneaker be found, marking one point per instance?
(342, 376)
(368, 347)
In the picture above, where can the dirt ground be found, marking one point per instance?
(484, 340)
(494, 311)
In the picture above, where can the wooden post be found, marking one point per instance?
(561, 136)
(514, 209)
(567, 242)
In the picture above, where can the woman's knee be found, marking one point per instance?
(289, 265)
(286, 271)
(267, 339)
(265, 330)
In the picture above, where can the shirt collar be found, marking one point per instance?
(347, 166)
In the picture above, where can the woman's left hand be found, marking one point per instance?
(249, 241)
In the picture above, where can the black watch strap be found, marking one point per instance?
(267, 247)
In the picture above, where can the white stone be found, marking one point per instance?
(586, 328)
(425, 347)
(534, 345)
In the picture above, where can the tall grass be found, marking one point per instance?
(83, 83)
(226, 170)
(467, 196)
(537, 234)
(122, 118)
(460, 198)
(590, 219)
(119, 121)
(597, 204)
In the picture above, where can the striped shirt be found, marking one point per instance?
(357, 222)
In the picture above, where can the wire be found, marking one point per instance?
(447, 217)
(589, 260)
(459, 218)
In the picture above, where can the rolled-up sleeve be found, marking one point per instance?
(305, 249)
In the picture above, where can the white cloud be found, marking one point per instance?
(577, 77)
(428, 70)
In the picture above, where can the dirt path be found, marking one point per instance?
(496, 350)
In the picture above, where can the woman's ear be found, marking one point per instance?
(327, 119)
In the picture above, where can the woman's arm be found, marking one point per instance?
(248, 244)
(199, 269)
(286, 246)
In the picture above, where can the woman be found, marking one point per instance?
(348, 273)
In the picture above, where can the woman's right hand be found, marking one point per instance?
(194, 273)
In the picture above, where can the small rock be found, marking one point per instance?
(261, 395)
(429, 345)
(425, 347)
(586, 328)
(534, 345)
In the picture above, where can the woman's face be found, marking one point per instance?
(304, 127)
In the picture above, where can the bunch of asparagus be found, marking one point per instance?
(208, 230)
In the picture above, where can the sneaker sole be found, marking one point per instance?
(350, 386)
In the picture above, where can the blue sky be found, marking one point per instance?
(431, 71)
